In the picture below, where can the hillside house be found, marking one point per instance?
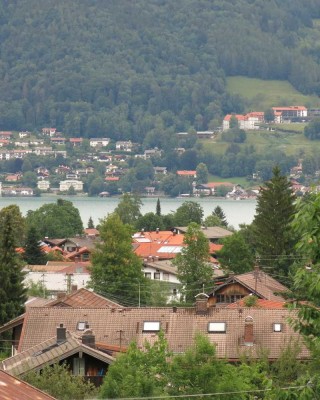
(75, 142)
(66, 185)
(291, 113)
(99, 142)
(250, 121)
(124, 145)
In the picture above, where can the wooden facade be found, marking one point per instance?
(228, 293)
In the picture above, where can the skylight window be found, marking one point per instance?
(217, 327)
(277, 327)
(151, 326)
(81, 326)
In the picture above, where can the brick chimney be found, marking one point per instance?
(61, 334)
(201, 303)
(74, 288)
(248, 332)
(88, 338)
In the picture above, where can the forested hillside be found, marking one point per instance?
(144, 69)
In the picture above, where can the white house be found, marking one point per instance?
(248, 121)
(66, 185)
(99, 142)
(124, 145)
(43, 185)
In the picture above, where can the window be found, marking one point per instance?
(174, 291)
(277, 327)
(151, 326)
(165, 276)
(217, 327)
(81, 326)
(156, 275)
(147, 275)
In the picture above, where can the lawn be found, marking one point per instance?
(262, 94)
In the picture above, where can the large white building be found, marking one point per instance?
(66, 185)
(248, 121)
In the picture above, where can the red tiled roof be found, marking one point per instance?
(261, 303)
(186, 173)
(12, 388)
(164, 237)
(112, 178)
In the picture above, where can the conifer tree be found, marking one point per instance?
(90, 223)
(12, 290)
(33, 255)
(158, 208)
(218, 212)
(274, 239)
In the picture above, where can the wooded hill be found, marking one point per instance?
(144, 69)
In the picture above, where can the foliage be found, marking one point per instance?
(250, 301)
(212, 220)
(36, 289)
(236, 255)
(58, 220)
(269, 115)
(234, 135)
(188, 212)
(202, 173)
(272, 224)
(158, 208)
(150, 222)
(218, 212)
(58, 381)
(138, 373)
(116, 269)
(193, 268)
(18, 222)
(128, 208)
(12, 290)
(312, 130)
(33, 255)
(90, 223)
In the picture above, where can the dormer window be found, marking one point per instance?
(151, 326)
(217, 327)
(277, 327)
(81, 326)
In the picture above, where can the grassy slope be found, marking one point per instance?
(261, 94)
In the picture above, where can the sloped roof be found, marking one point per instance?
(12, 388)
(258, 282)
(261, 303)
(210, 232)
(49, 352)
(166, 237)
(84, 298)
(179, 325)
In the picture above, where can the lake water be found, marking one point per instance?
(237, 212)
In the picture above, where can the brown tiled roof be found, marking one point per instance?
(262, 283)
(12, 388)
(261, 303)
(49, 352)
(84, 298)
(120, 326)
(213, 232)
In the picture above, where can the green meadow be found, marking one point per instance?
(262, 94)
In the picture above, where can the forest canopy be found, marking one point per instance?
(142, 70)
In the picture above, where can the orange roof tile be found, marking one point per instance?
(261, 303)
(186, 173)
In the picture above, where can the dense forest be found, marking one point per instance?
(142, 70)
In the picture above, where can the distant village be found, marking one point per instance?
(115, 156)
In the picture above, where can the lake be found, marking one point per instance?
(236, 211)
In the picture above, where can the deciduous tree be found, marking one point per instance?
(188, 212)
(128, 208)
(116, 269)
(192, 263)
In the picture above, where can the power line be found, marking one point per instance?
(208, 394)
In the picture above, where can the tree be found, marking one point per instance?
(90, 223)
(30, 179)
(236, 255)
(202, 173)
(138, 372)
(128, 208)
(37, 289)
(116, 269)
(188, 212)
(71, 191)
(58, 220)
(150, 222)
(212, 220)
(218, 212)
(272, 224)
(269, 115)
(312, 130)
(58, 381)
(192, 263)
(233, 122)
(33, 254)
(158, 207)
(18, 222)
(12, 290)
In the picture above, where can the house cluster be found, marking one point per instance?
(87, 331)
(253, 120)
(157, 249)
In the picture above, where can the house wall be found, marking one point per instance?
(57, 281)
(233, 289)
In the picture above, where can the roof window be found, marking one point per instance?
(81, 326)
(217, 327)
(151, 326)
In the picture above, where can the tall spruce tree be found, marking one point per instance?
(12, 290)
(218, 212)
(33, 254)
(90, 223)
(272, 225)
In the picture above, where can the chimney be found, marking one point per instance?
(174, 309)
(88, 338)
(157, 230)
(61, 295)
(74, 288)
(61, 334)
(201, 303)
(248, 332)
(174, 232)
